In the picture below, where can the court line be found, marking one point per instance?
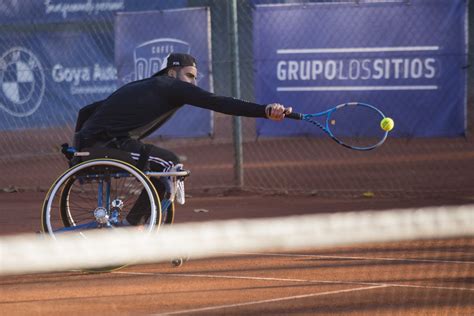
(237, 277)
(272, 300)
(350, 257)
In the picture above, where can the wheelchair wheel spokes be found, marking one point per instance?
(100, 193)
(78, 228)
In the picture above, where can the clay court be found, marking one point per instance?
(421, 277)
(355, 281)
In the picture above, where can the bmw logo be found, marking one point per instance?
(22, 82)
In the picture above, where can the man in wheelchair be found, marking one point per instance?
(114, 127)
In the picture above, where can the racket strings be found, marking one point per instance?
(357, 127)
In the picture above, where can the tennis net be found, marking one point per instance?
(23, 254)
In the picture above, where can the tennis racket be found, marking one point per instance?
(354, 125)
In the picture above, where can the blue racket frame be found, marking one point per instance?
(326, 127)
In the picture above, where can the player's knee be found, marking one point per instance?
(171, 157)
(175, 159)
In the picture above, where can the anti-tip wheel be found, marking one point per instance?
(179, 261)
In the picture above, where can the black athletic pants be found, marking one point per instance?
(159, 159)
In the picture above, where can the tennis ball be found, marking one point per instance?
(387, 124)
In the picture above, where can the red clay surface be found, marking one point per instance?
(432, 278)
(428, 278)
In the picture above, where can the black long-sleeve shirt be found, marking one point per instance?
(141, 107)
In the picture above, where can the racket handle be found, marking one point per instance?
(295, 116)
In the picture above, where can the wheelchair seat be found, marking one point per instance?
(85, 154)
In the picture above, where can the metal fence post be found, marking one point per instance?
(236, 121)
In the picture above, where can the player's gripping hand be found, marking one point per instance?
(277, 112)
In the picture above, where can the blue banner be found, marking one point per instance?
(54, 11)
(407, 58)
(46, 77)
(143, 40)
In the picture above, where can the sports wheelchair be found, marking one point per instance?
(98, 192)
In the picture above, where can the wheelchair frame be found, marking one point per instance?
(107, 211)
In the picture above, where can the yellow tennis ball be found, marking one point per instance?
(387, 124)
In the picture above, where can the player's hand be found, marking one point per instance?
(276, 111)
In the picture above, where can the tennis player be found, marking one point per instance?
(139, 108)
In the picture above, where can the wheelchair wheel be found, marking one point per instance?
(100, 194)
(169, 218)
(167, 214)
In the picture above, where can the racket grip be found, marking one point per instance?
(295, 116)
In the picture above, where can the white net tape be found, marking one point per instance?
(34, 254)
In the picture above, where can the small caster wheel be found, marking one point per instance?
(178, 261)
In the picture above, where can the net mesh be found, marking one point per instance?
(30, 158)
(411, 261)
